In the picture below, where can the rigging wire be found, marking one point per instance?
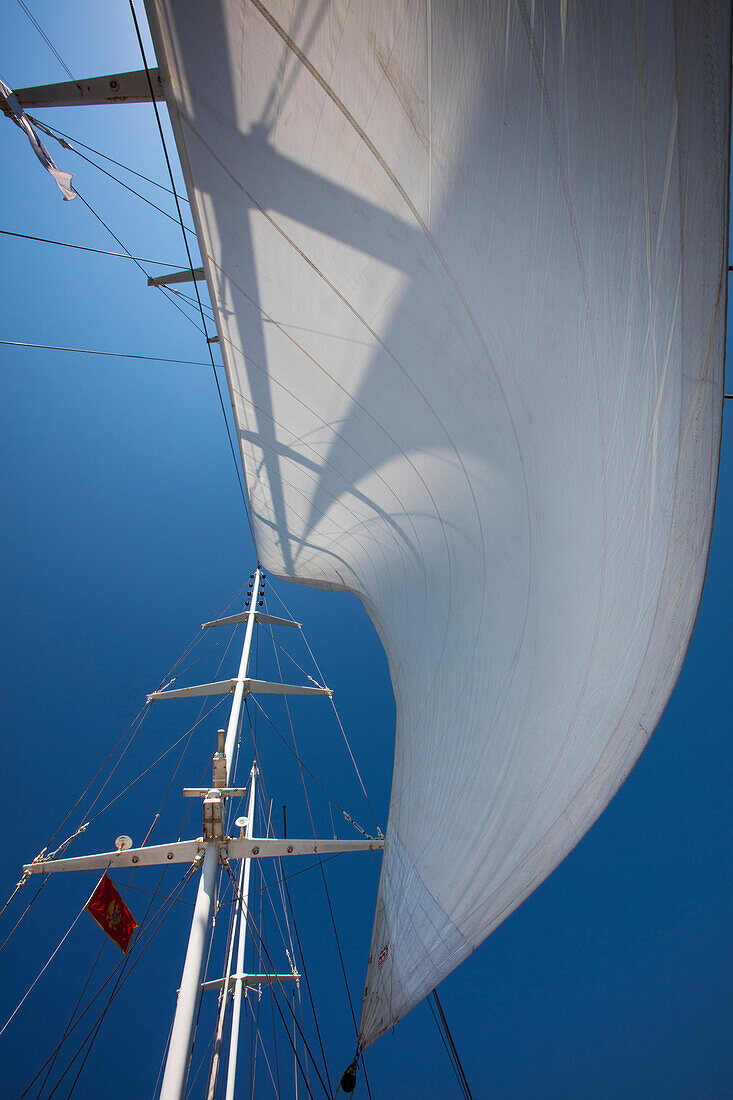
(115, 179)
(163, 1060)
(43, 969)
(91, 1035)
(335, 711)
(288, 878)
(84, 248)
(162, 288)
(22, 915)
(47, 40)
(256, 1030)
(55, 132)
(460, 1071)
(111, 354)
(190, 261)
(70, 1020)
(123, 971)
(274, 1032)
(297, 756)
(188, 734)
(446, 1047)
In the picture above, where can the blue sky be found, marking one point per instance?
(123, 530)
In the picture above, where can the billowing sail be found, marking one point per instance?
(468, 264)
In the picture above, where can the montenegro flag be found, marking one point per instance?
(111, 913)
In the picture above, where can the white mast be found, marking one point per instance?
(211, 849)
(176, 1066)
(241, 903)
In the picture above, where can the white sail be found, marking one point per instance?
(468, 268)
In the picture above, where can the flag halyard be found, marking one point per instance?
(111, 913)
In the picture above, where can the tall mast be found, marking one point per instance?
(213, 848)
(241, 904)
(176, 1066)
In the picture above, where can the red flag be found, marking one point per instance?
(111, 913)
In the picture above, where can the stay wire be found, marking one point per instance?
(446, 1047)
(335, 711)
(276, 1059)
(110, 354)
(255, 1030)
(192, 644)
(48, 41)
(190, 262)
(42, 970)
(187, 650)
(134, 726)
(22, 915)
(296, 755)
(160, 288)
(84, 248)
(462, 1074)
(70, 1020)
(202, 716)
(122, 974)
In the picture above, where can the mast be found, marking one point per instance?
(176, 1066)
(241, 904)
(213, 848)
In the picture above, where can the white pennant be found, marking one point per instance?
(12, 108)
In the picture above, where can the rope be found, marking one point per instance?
(267, 1060)
(70, 1019)
(445, 1045)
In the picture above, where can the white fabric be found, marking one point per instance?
(468, 263)
(12, 108)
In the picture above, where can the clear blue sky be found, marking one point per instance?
(123, 530)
